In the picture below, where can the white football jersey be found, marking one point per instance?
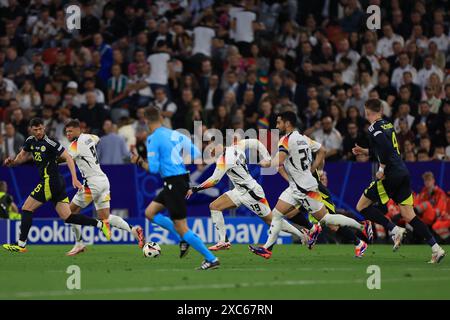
(233, 163)
(299, 150)
(84, 153)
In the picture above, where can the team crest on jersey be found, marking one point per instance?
(43, 148)
(32, 147)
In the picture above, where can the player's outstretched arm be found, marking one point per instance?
(22, 157)
(139, 161)
(217, 175)
(276, 162)
(75, 182)
(357, 150)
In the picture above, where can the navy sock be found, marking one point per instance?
(191, 238)
(301, 220)
(373, 214)
(165, 222)
(347, 233)
(25, 225)
(421, 229)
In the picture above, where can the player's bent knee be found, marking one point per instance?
(360, 206)
(276, 214)
(103, 214)
(213, 206)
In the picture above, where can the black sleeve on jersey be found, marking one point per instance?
(27, 145)
(382, 145)
(55, 146)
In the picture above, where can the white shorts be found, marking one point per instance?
(96, 190)
(312, 201)
(254, 200)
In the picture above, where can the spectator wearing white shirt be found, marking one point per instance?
(330, 138)
(428, 69)
(160, 66)
(244, 25)
(441, 40)
(138, 86)
(203, 36)
(404, 112)
(369, 48)
(366, 83)
(44, 28)
(72, 90)
(384, 45)
(345, 51)
(397, 75)
(89, 85)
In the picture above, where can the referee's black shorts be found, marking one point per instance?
(395, 187)
(173, 196)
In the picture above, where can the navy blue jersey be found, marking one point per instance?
(384, 146)
(45, 154)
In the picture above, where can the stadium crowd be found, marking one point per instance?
(229, 64)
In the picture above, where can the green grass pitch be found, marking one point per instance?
(293, 272)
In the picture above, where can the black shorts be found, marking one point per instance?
(326, 198)
(51, 189)
(173, 196)
(397, 188)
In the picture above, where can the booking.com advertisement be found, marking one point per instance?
(244, 230)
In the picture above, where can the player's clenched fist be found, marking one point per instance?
(8, 162)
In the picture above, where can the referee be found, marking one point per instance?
(164, 156)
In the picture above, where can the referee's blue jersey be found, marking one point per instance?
(165, 151)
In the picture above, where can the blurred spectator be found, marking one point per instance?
(385, 44)
(232, 55)
(27, 97)
(431, 206)
(167, 107)
(19, 122)
(93, 114)
(14, 66)
(160, 66)
(112, 148)
(138, 87)
(128, 132)
(352, 138)
(8, 209)
(221, 119)
(11, 142)
(117, 92)
(403, 114)
(330, 138)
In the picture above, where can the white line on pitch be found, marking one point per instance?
(34, 294)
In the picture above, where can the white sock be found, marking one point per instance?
(397, 229)
(341, 220)
(435, 247)
(22, 243)
(275, 228)
(76, 228)
(219, 223)
(99, 224)
(289, 228)
(119, 223)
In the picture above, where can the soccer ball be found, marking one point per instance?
(151, 250)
